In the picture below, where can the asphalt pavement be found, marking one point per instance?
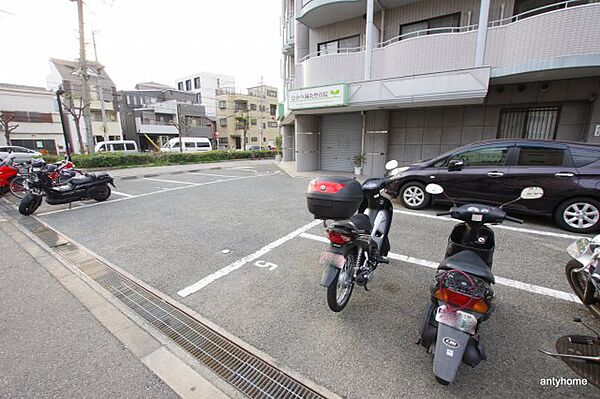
(238, 246)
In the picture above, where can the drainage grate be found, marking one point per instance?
(248, 373)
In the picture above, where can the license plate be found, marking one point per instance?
(329, 259)
(458, 319)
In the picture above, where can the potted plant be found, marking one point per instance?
(278, 147)
(358, 163)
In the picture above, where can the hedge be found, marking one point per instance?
(116, 159)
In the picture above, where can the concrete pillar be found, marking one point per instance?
(593, 126)
(370, 30)
(484, 14)
(301, 43)
(289, 142)
(307, 143)
(376, 143)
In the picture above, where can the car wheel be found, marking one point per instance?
(413, 196)
(580, 215)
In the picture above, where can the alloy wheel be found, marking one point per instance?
(581, 215)
(413, 196)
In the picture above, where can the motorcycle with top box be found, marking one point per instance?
(358, 242)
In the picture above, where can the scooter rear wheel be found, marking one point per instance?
(29, 204)
(578, 283)
(101, 193)
(340, 289)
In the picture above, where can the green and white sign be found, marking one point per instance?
(319, 97)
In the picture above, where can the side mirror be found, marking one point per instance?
(390, 165)
(434, 189)
(529, 193)
(455, 165)
(579, 248)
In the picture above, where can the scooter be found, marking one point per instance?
(59, 172)
(87, 186)
(358, 242)
(583, 272)
(461, 292)
(7, 173)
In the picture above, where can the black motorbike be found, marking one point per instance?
(583, 272)
(358, 241)
(461, 292)
(81, 187)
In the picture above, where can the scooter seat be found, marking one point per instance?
(362, 222)
(87, 178)
(468, 262)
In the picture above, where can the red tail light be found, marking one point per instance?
(322, 186)
(461, 300)
(338, 238)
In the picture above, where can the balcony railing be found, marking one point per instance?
(287, 31)
(566, 28)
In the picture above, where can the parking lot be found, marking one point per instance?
(238, 246)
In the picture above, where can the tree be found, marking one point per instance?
(182, 123)
(7, 125)
(74, 106)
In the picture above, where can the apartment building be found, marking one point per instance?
(103, 98)
(35, 111)
(411, 79)
(248, 119)
(150, 115)
(204, 85)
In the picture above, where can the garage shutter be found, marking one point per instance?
(341, 136)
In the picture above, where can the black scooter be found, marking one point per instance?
(87, 186)
(358, 241)
(461, 293)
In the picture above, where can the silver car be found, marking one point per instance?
(21, 153)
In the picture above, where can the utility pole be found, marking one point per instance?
(85, 88)
(59, 93)
(262, 108)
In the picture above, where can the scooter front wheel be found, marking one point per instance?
(578, 283)
(340, 289)
(29, 204)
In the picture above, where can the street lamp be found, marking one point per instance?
(59, 93)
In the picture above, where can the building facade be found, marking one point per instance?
(205, 85)
(408, 80)
(35, 110)
(105, 123)
(150, 115)
(245, 120)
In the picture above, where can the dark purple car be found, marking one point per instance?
(495, 172)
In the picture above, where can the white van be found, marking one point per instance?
(116, 145)
(190, 144)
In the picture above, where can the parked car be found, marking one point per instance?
(116, 146)
(495, 171)
(21, 153)
(190, 144)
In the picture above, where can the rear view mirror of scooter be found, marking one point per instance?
(391, 165)
(434, 189)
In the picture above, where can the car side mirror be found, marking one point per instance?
(455, 165)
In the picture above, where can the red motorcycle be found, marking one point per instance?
(7, 173)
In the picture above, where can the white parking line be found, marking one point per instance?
(150, 193)
(169, 181)
(246, 259)
(503, 227)
(121, 194)
(536, 289)
(211, 174)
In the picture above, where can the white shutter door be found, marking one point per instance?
(341, 136)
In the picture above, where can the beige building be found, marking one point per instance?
(242, 119)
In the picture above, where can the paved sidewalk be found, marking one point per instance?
(289, 167)
(51, 346)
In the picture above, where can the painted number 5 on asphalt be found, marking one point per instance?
(268, 265)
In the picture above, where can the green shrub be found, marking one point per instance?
(116, 159)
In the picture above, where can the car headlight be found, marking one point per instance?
(399, 170)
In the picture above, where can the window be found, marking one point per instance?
(180, 86)
(253, 121)
(188, 85)
(487, 156)
(176, 144)
(153, 100)
(254, 139)
(334, 46)
(272, 124)
(130, 146)
(273, 93)
(204, 144)
(222, 104)
(223, 122)
(196, 82)
(273, 109)
(584, 156)
(241, 105)
(529, 123)
(540, 156)
(199, 98)
(190, 145)
(118, 147)
(223, 140)
(522, 6)
(421, 28)
(128, 99)
(252, 107)
(240, 124)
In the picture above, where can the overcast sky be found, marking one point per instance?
(144, 40)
